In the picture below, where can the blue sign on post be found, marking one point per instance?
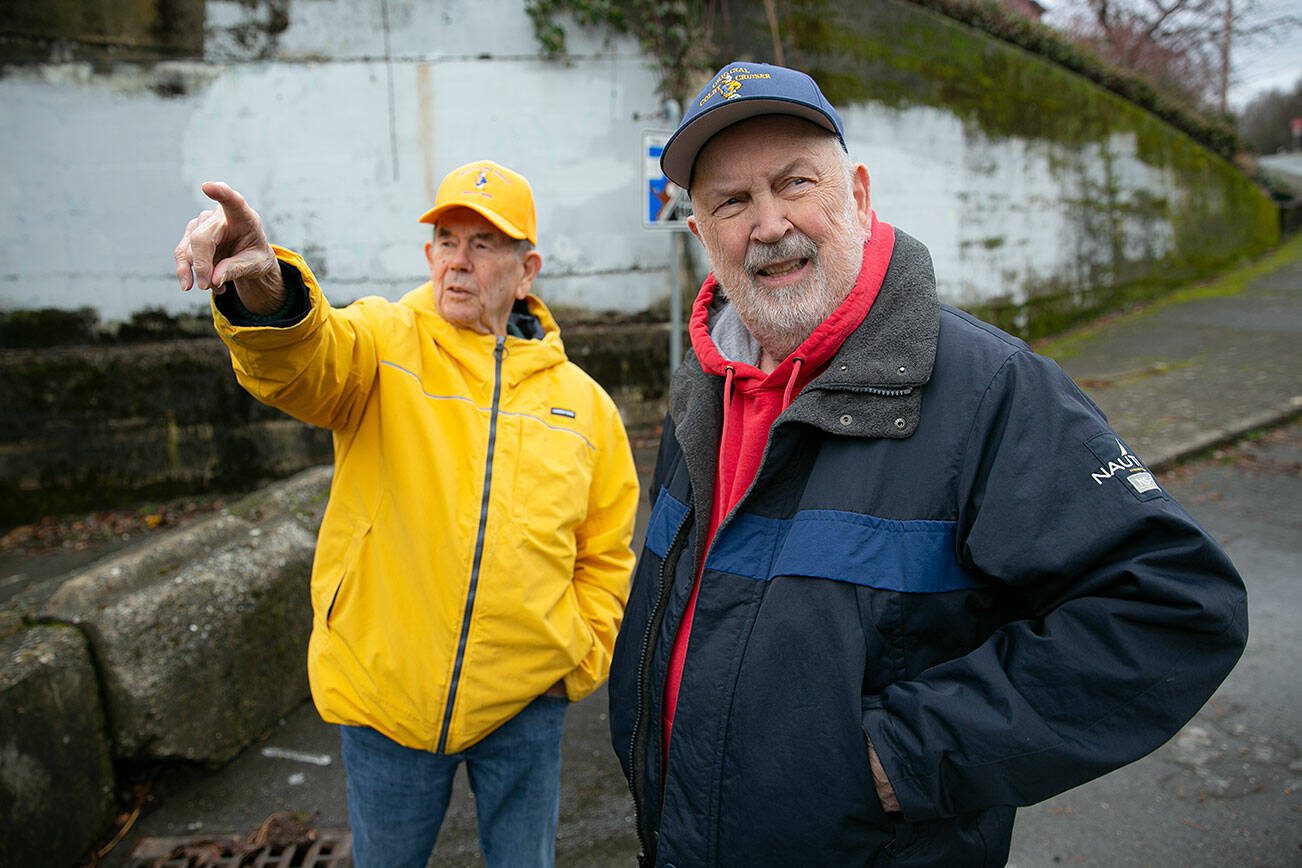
(666, 205)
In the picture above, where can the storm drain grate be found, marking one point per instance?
(330, 849)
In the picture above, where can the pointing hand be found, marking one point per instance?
(227, 244)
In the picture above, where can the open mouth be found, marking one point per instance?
(782, 269)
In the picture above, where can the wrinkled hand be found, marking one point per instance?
(885, 792)
(228, 244)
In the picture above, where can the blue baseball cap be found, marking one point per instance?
(739, 91)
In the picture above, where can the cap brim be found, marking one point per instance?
(513, 231)
(679, 154)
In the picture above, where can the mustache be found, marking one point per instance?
(794, 246)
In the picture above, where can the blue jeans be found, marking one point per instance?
(397, 796)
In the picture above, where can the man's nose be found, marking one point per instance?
(771, 223)
(460, 260)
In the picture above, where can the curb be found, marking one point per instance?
(1214, 438)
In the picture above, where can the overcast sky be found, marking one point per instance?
(1268, 63)
(1272, 61)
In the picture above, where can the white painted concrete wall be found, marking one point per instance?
(340, 136)
(100, 174)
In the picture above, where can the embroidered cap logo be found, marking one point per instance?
(728, 83)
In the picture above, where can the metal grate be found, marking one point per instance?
(331, 849)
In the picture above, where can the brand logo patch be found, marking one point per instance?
(561, 411)
(1142, 482)
(1118, 462)
(482, 179)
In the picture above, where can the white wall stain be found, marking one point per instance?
(425, 106)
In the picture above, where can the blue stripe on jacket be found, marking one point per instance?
(910, 556)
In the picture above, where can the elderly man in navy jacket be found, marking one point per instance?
(900, 575)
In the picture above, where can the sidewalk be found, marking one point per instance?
(1182, 376)
(1197, 369)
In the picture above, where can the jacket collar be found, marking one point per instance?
(873, 385)
(524, 356)
(895, 346)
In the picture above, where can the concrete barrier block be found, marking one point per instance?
(198, 659)
(56, 776)
(301, 497)
(201, 635)
(141, 566)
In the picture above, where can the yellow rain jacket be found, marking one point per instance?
(475, 549)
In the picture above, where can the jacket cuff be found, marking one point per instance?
(262, 338)
(296, 306)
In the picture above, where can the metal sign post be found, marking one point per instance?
(666, 206)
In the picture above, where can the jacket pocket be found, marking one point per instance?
(345, 572)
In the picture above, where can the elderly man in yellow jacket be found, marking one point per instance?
(474, 559)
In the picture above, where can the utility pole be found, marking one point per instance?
(1227, 29)
(770, 9)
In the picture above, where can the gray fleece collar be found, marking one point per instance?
(734, 340)
(895, 345)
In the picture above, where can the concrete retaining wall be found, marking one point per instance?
(186, 647)
(94, 427)
(1042, 197)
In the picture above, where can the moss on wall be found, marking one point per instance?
(97, 426)
(101, 30)
(103, 425)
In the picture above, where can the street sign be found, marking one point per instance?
(665, 205)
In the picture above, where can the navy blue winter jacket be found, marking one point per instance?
(946, 550)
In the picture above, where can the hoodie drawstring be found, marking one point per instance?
(727, 402)
(720, 495)
(791, 382)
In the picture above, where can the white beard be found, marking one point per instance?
(781, 319)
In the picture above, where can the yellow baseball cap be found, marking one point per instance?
(504, 197)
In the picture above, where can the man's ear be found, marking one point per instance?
(862, 187)
(691, 224)
(532, 264)
(429, 253)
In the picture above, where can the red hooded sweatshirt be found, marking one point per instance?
(752, 402)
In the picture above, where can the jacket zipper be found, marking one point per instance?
(880, 391)
(637, 752)
(498, 352)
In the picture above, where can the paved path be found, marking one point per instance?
(1180, 377)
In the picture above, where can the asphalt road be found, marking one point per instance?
(1225, 791)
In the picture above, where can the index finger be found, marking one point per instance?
(236, 208)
